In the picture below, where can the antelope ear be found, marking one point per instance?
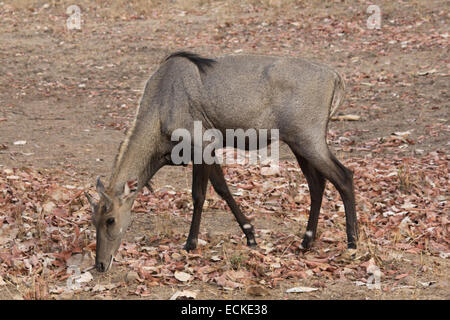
(91, 201)
(129, 189)
(101, 191)
(100, 187)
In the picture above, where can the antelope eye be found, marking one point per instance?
(110, 221)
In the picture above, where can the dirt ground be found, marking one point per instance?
(71, 94)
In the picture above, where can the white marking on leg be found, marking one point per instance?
(309, 233)
(247, 226)
(251, 241)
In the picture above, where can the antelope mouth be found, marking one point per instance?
(102, 267)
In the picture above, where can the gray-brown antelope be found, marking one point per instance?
(292, 95)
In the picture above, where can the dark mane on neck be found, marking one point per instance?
(201, 62)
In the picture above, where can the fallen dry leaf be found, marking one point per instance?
(184, 295)
(182, 276)
(301, 289)
(347, 117)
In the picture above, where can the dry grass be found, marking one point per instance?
(34, 4)
(144, 7)
(221, 9)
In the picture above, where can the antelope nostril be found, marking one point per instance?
(100, 267)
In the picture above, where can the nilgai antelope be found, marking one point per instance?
(292, 95)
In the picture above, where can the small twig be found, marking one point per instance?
(74, 197)
(89, 268)
(68, 221)
(284, 251)
(40, 118)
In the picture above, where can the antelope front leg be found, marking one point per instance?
(200, 175)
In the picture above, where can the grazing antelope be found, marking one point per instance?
(292, 95)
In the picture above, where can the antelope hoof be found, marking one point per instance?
(306, 245)
(307, 241)
(351, 245)
(190, 245)
(251, 242)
